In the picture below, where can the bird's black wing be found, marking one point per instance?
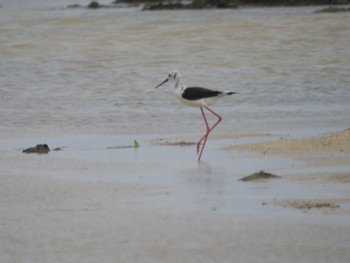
(197, 93)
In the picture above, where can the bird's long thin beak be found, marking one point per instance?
(161, 83)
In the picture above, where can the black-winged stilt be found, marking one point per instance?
(197, 97)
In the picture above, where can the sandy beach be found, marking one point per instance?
(94, 201)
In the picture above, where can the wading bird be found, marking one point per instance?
(197, 97)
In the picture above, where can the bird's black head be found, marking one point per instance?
(173, 75)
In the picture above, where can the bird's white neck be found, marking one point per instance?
(177, 83)
(178, 90)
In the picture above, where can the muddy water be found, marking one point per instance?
(93, 72)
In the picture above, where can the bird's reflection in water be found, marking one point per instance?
(205, 186)
(204, 168)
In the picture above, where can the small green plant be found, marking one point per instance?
(136, 144)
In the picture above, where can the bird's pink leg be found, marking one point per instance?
(200, 141)
(207, 126)
(206, 123)
(205, 136)
(217, 115)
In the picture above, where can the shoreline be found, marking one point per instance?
(299, 154)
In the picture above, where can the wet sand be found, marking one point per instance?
(98, 201)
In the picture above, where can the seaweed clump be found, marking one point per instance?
(262, 175)
(39, 148)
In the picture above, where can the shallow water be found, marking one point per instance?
(211, 185)
(69, 72)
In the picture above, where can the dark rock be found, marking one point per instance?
(334, 9)
(114, 4)
(74, 6)
(214, 3)
(94, 5)
(201, 4)
(291, 2)
(259, 176)
(39, 148)
(166, 6)
(133, 2)
(58, 149)
(196, 4)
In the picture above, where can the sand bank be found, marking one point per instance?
(306, 148)
(329, 150)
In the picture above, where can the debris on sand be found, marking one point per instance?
(135, 146)
(262, 175)
(39, 148)
(163, 142)
(181, 143)
(307, 203)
